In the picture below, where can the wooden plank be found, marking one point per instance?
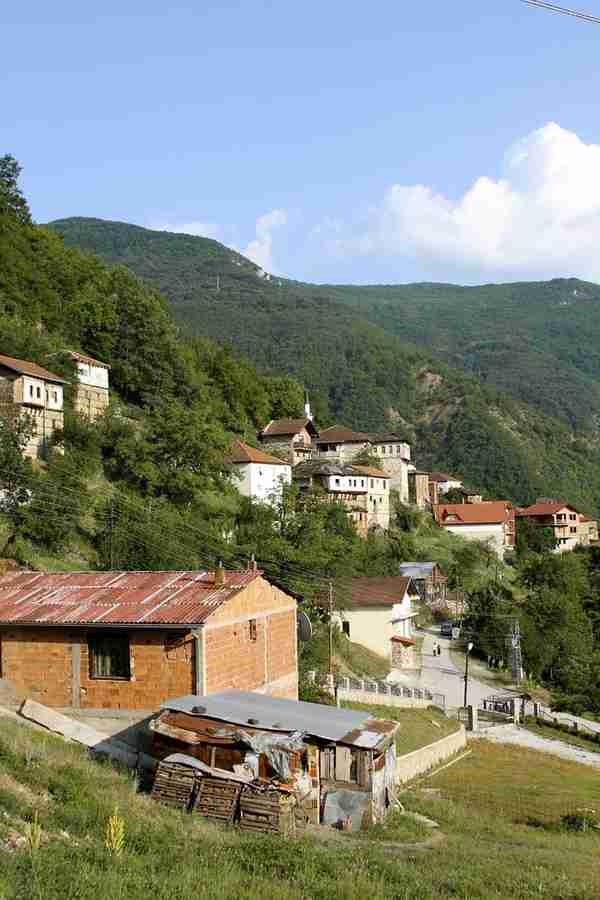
(343, 761)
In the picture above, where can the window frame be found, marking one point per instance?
(93, 641)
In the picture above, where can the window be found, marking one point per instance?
(38, 393)
(337, 481)
(31, 390)
(573, 530)
(109, 656)
(346, 625)
(55, 396)
(572, 517)
(253, 630)
(372, 484)
(362, 482)
(398, 450)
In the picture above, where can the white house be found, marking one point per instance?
(259, 475)
(378, 496)
(91, 394)
(491, 522)
(379, 614)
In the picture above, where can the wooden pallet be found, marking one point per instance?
(174, 785)
(218, 799)
(266, 811)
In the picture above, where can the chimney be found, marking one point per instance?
(220, 574)
(253, 567)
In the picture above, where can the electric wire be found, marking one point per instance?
(563, 10)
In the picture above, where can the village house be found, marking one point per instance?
(445, 482)
(341, 444)
(422, 492)
(363, 490)
(338, 765)
(258, 474)
(30, 391)
(130, 640)
(428, 580)
(91, 397)
(569, 527)
(394, 458)
(291, 439)
(379, 614)
(492, 522)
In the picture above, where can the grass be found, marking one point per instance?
(354, 659)
(498, 809)
(567, 737)
(419, 727)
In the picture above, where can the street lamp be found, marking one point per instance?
(469, 648)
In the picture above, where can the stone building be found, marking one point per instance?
(419, 488)
(394, 456)
(131, 640)
(28, 390)
(341, 444)
(290, 438)
(363, 490)
(92, 391)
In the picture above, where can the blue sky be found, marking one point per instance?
(345, 142)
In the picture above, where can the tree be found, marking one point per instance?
(533, 538)
(15, 470)
(12, 201)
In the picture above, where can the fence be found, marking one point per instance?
(384, 693)
(557, 719)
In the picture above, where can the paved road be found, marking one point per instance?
(440, 675)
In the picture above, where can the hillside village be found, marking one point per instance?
(266, 619)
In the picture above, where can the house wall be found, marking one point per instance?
(374, 627)
(378, 499)
(343, 453)
(45, 412)
(492, 533)
(262, 481)
(90, 402)
(52, 666)
(418, 483)
(268, 664)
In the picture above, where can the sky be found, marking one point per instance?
(449, 140)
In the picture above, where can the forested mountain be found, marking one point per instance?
(497, 383)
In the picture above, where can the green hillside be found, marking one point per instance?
(449, 367)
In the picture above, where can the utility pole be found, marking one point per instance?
(330, 628)
(218, 283)
(469, 648)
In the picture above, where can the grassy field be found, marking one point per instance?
(354, 659)
(498, 810)
(418, 726)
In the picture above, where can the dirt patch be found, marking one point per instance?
(8, 783)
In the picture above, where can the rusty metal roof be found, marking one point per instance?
(346, 726)
(115, 598)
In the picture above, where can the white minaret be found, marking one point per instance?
(307, 410)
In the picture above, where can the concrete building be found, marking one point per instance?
(131, 640)
(363, 490)
(379, 614)
(569, 527)
(28, 390)
(492, 522)
(290, 438)
(92, 391)
(394, 456)
(258, 474)
(378, 496)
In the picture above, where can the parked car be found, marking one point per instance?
(446, 629)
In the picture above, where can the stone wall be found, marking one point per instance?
(425, 758)
(90, 402)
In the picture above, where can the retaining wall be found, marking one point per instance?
(356, 696)
(425, 758)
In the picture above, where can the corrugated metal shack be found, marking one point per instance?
(338, 764)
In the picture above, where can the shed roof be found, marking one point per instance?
(105, 599)
(244, 453)
(26, 367)
(348, 726)
(368, 593)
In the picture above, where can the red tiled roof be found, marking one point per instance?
(115, 598)
(284, 427)
(342, 434)
(489, 512)
(544, 509)
(244, 453)
(442, 476)
(25, 367)
(376, 592)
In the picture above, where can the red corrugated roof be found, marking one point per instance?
(489, 512)
(244, 453)
(25, 367)
(115, 598)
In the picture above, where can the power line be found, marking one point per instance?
(563, 10)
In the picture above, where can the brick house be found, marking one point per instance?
(569, 527)
(27, 389)
(130, 640)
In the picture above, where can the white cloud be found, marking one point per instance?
(541, 218)
(260, 250)
(198, 229)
